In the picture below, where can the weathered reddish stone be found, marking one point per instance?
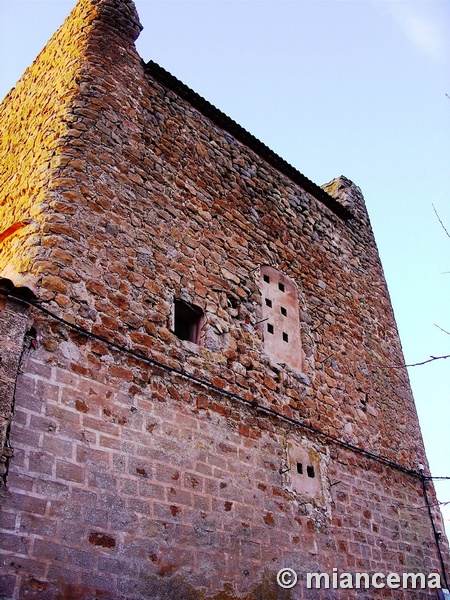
(138, 193)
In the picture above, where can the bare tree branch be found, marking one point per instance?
(417, 364)
(442, 329)
(431, 359)
(439, 219)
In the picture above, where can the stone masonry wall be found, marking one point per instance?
(36, 127)
(134, 476)
(13, 324)
(173, 491)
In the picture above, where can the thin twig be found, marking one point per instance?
(417, 364)
(431, 359)
(439, 219)
(442, 329)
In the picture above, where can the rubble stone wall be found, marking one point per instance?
(13, 324)
(146, 466)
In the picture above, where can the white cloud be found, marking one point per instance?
(424, 23)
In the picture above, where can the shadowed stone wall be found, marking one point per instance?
(146, 466)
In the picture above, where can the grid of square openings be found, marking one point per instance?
(309, 470)
(283, 309)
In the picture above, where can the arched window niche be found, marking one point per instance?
(280, 318)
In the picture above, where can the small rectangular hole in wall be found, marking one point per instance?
(266, 278)
(305, 470)
(268, 303)
(269, 328)
(283, 311)
(188, 320)
(281, 287)
(285, 337)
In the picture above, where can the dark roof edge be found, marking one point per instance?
(242, 135)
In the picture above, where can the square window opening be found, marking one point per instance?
(281, 287)
(283, 311)
(268, 303)
(188, 321)
(310, 471)
(269, 327)
(266, 278)
(300, 468)
(285, 337)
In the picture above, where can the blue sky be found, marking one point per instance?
(351, 87)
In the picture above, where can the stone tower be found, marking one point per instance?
(196, 375)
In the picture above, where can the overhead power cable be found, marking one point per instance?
(255, 405)
(232, 395)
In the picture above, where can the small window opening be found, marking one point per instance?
(281, 287)
(188, 321)
(269, 328)
(310, 471)
(268, 303)
(300, 468)
(285, 337)
(266, 278)
(283, 311)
